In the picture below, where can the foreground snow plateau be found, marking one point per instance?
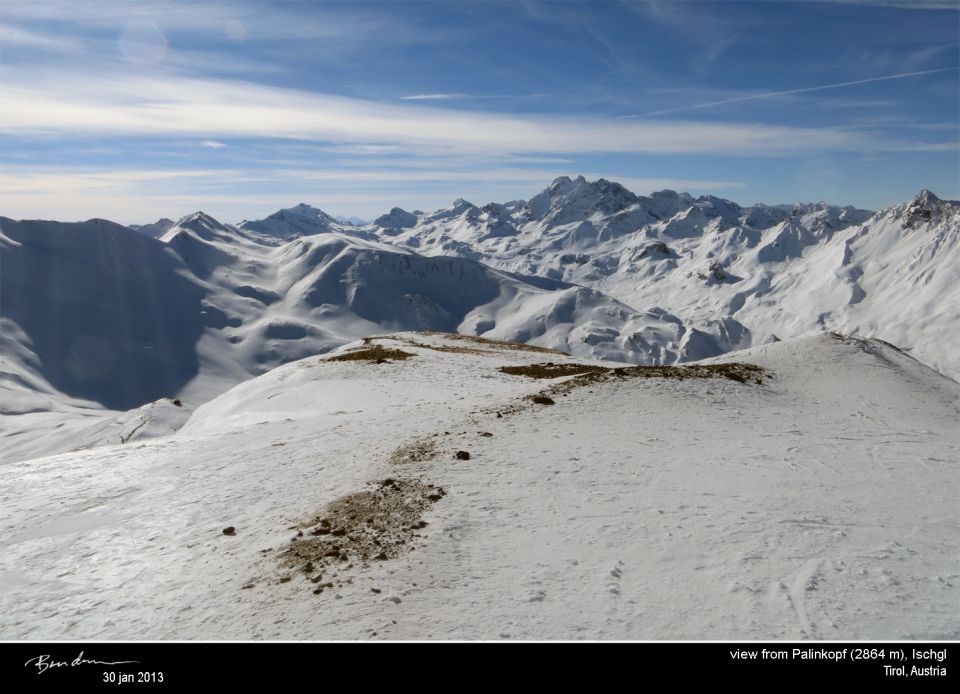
(817, 503)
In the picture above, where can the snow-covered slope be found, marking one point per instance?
(110, 315)
(155, 230)
(897, 276)
(119, 320)
(37, 420)
(818, 503)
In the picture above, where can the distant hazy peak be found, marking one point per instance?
(199, 217)
(302, 211)
(290, 222)
(396, 218)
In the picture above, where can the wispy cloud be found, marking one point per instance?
(27, 179)
(400, 125)
(234, 19)
(770, 95)
(218, 109)
(11, 35)
(930, 147)
(925, 56)
(454, 95)
(713, 33)
(433, 97)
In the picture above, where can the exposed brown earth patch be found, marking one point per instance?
(447, 348)
(551, 370)
(475, 345)
(376, 354)
(372, 525)
(586, 373)
(495, 344)
(423, 345)
(416, 452)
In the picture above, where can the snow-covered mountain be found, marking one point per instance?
(99, 321)
(301, 220)
(410, 487)
(119, 320)
(733, 275)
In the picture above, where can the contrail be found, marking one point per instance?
(793, 91)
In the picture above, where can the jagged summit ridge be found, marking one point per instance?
(707, 259)
(300, 220)
(396, 218)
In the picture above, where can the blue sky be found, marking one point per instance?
(136, 110)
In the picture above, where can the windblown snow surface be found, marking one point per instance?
(406, 487)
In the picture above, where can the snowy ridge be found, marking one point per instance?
(819, 503)
(155, 230)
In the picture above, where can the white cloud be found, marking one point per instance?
(11, 35)
(457, 95)
(432, 97)
(335, 26)
(212, 144)
(28, 179)
(164, 105)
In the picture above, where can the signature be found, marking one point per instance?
(43, 662)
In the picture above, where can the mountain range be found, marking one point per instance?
(102, 320)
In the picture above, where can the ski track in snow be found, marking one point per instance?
(803, 508)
